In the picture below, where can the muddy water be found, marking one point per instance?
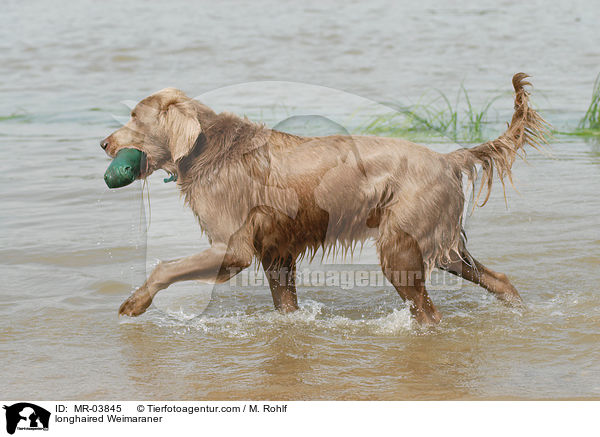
(71, 251)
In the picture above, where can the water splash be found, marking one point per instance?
(312, 318)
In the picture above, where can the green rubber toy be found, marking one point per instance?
(124, 169)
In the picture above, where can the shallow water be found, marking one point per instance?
(71, 250)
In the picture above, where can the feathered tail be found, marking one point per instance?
(526, 127)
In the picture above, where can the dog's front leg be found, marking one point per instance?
(216, 264)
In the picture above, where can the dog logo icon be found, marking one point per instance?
(26, 416)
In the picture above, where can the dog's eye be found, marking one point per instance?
(133, 115)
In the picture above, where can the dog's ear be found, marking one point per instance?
(183, 128)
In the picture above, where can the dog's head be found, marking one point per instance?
(165, 126)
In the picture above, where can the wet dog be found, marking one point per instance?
(263, 194)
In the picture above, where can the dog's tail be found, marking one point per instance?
(526, 127)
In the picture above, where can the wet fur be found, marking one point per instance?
(273, 196)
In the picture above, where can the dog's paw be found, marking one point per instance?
(137, 304)
(512, 298)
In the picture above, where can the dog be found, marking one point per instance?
(275, 197)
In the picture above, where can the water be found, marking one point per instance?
(71, 250)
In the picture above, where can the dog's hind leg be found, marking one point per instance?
(472, 270)
(402, 264)
(281, 274)
(217, 264)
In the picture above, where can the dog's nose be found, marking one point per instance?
(104, 144)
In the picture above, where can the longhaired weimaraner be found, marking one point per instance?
(264, 194)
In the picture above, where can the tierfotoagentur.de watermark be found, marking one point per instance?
(345, 276)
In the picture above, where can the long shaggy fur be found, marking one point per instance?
(268, 194)
(527, 127)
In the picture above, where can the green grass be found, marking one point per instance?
(460, 121)
(590, 123)
(13, 116)
(439, 117)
